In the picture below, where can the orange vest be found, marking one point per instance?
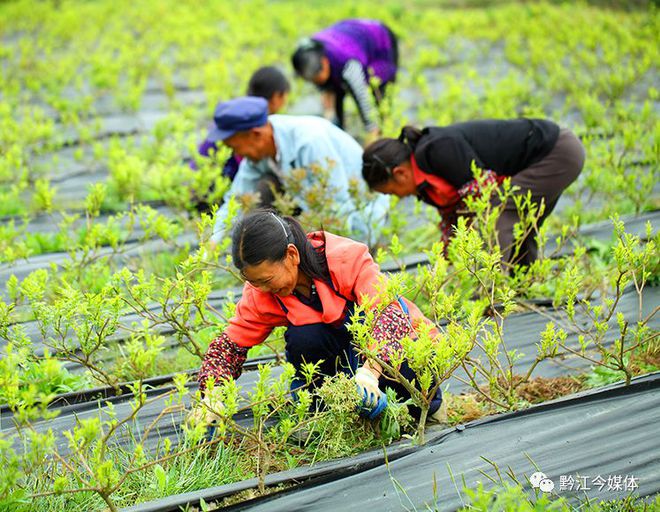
(354, 275)
(433, 189)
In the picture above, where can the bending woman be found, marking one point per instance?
(341, 58)
(435, 164)
(310, 284)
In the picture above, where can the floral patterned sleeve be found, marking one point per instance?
(223, 360)
(472, 187)
(391, 326)
(450, 214)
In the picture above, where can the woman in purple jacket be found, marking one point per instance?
(342, 58)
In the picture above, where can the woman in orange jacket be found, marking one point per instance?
(310, 284)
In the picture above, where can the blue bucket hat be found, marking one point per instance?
(237, 115)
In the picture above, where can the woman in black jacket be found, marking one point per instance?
(435, 164)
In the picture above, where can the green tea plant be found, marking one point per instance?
(181, 303)
(267, 400)
(87, 326)
(75, 325)
(319, 423)
(45, 375)
(635, 263)
(314, 186)
(513, 497)
(62, 76)
(476, 258)
(105, 458)
(89, 462)
(433, 354)
(93, 467)
(509, 497)
(457, 289)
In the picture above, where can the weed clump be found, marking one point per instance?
(337, 430)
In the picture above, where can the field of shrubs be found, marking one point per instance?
(110, 292)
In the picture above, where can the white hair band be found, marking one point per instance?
(286, 235)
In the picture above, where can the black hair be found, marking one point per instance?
(381, 156)
(264, 236)
(267, 81)
(307, 58)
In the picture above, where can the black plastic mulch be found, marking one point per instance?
(521, 332)
(608, 434)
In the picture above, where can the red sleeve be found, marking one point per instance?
(257, 313)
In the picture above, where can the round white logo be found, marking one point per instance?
(536, 478)
(546, 485)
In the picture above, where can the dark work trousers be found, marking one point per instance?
(265, 188)
(334, 345)
(546, 179)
